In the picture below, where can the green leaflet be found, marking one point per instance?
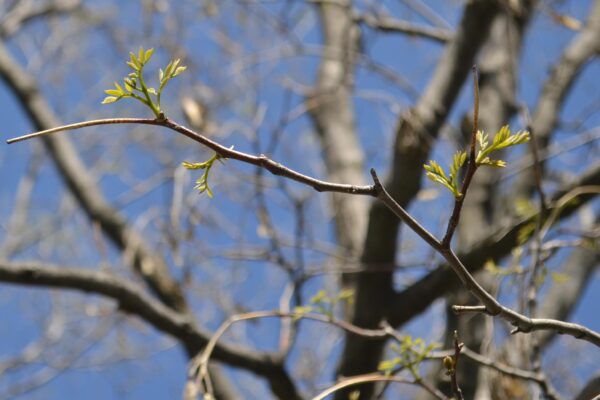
(502, 140)
(135, 87)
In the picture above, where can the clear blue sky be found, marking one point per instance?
(161, 372)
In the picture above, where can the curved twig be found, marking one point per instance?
(224, 152)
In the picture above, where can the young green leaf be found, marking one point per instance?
(482, 139)
(140, 56)
(109, 99)
(135, 86)
(436, 173)
(502, 140)
(179, 70)
(113, 92)
(493, 163)
(459, 159)
(134, 63)
(148, 54)
(200, 165)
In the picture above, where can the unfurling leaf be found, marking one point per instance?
(189, 165)
(148, 54)
(436, 173)
(135, 86)
(493, 163)
(502, 140)
(109, 99)
(482, 139)
(179, 70)
(459, 159)
(113, 92)
(202, 182)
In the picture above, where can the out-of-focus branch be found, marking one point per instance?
(583, 48)
(561, 298)
(149, 265)
(199, 380)
(133, 300)
(492, 306)
(224, 152)
(372, 378)
(591, 389)
(416, 132)
(495, 245)
(388, 24)
(331, 109)
(26, 11)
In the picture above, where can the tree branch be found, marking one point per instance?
(24, 12)
(417, 130)
(388, 24)
(493, 307)
(133, 300)
(147, 264)
(224, 152)
(495, 245)
(331, 110)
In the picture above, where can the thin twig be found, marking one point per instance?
(492, 306)
(224, 152)
(199, 366)
(453, 380)
(357, 380)
(471, 167)
(537, 263)
(393, 25)
(467, 309)
(532, 376)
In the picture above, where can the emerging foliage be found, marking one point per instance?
(503, 139)
(324, 304)
(436, 173)
(410, 353)
(135, 87)
(202, 182)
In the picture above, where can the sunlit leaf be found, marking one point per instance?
(109, 99)
(148, 54)
(113, 92)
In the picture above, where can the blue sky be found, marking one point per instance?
(161, 372)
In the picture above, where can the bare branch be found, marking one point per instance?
(496, 244)
(536, 377)
(133, 300)
(492, 306)
(388, 24)
(149, 265)
(331, 109)
(224, 152)
(27, 11)
(198, 367)
(454, 381)
(471, 166)
(369, 378)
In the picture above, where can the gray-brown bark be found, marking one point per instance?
(415, 134)
(332, 111)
